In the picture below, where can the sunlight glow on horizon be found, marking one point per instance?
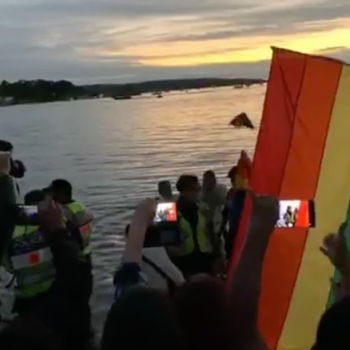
(247, 49)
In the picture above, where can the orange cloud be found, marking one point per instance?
(237, 49)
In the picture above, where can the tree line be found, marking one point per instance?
(26, 91)
(31, 91)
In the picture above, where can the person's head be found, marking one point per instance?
(6, 146)
(289, 209)
(200, 308)
(61, 191)
(232, 175)
(209, 180)
(188, 187)
(164, 189)
(142, 318)
(34, 197)
(28, 334)
(334, 327)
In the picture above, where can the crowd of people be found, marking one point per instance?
(173, 298)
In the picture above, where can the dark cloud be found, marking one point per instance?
(60, 38)
(126, 8)
(335, 49)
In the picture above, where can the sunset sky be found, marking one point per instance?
(90, 41)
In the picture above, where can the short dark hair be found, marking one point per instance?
(34, 197)
(185, 182)
(165, 184)
(200, 308)
(62, 186)
(232, 172)
(209, 173)
(6, 146)
(141, 315)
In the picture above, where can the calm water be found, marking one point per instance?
(115, 152)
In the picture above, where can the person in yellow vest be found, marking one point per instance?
(197, 253)
(77, 215)
(64, 309)
(29, 259)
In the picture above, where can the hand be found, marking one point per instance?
(142, 218)
(145, 212)
(265, 211)
(334, 247)
(5, 163)
(51, 215)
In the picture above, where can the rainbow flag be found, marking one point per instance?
(302, 153)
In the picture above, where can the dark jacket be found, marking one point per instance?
(65, 309)
(8, 212)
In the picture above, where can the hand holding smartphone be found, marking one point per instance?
(164, 231)
(165, 212)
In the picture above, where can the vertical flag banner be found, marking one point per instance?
(301, 154)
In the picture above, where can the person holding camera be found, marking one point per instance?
(54, 281)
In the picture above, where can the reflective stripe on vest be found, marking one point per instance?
(188, 245)
(30, 261)
(24, 261)
(85, 228)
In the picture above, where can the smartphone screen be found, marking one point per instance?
(165, 212)
(29, 211)
(296, 213)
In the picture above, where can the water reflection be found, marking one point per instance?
(115, 152)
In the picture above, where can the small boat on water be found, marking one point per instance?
(127, 97)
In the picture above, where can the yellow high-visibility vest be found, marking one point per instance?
(85, 227)
(29, 259)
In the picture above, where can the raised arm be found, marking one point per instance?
(245, 278)
(73, 275)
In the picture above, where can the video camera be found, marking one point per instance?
(17, 167)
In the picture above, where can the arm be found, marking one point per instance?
(244, 283)
(73, 272)
(129, 272)
(244, 290)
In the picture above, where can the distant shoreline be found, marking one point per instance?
(44, 91)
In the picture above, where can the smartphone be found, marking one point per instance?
(28, 214)
(296, 213)
(164, 232)
(165, 212)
